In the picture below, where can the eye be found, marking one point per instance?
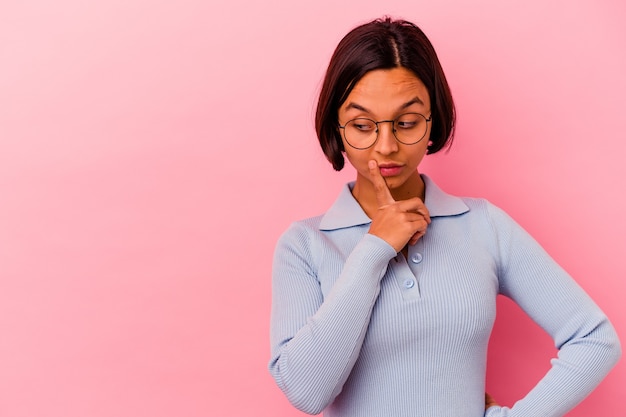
(404, 124)
(409, 121)
(362, 125)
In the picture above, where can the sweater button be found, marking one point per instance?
(416, 258)
(409, 283)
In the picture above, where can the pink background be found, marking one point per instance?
(151, 152)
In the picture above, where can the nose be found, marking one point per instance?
(386, 143)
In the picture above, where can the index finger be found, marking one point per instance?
(416, 205)
(383, 195)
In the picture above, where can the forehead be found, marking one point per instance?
(387, 90)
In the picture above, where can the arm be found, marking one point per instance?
(587, 342)
(316, 340)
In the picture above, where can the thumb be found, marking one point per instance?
(383, 195)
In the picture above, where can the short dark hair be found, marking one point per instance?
(382, 44)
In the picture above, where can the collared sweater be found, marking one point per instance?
(358, 330)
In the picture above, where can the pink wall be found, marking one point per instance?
(151, 152)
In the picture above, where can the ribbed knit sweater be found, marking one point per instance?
(358, 330)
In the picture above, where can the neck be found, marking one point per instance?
(365, 193)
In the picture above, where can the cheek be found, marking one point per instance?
(349, 153)
(357, 159)
(352, 160)
(417, 154)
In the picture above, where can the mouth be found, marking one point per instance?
(390, 169)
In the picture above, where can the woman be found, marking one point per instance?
(384, 305)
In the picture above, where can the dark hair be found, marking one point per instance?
(382, 44)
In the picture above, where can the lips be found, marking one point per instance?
(389, 169)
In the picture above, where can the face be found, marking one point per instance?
(385, 95)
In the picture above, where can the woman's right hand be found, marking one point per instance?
(396, 222)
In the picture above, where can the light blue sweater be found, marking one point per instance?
(359, 331)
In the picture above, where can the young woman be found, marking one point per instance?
(383, 306)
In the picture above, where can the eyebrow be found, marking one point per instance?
(409, 103)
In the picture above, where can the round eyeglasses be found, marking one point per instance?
(408, 128)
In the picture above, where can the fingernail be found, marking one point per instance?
(371, 164)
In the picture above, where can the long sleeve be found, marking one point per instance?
(587, 342)
(358, 330)
(316, 338)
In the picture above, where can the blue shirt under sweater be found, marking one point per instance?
(358, 330)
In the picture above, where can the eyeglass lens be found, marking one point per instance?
(409, 129)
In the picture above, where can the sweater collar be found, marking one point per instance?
(346, 211)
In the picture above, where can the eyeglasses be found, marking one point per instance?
(408, 128)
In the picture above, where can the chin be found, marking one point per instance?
(395, 182)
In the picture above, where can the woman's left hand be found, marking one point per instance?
(489, 401)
